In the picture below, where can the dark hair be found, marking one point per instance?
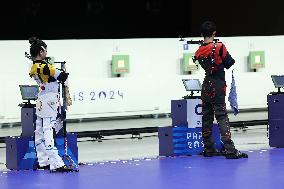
(207, 28)
(36, 46)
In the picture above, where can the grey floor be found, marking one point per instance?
(123, 147)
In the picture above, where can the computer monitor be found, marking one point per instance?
(278, 80)
(29, 92)
(192, 84)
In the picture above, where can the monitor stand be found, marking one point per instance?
(27, 104)
(191, 96)
(278, 91)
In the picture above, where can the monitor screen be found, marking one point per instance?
(29, 92)
(278, 80)
(192, 84)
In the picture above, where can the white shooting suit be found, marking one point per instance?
(46, 110)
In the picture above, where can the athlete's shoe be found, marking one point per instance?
(63, 169)
(236, 155)
(211, 153)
